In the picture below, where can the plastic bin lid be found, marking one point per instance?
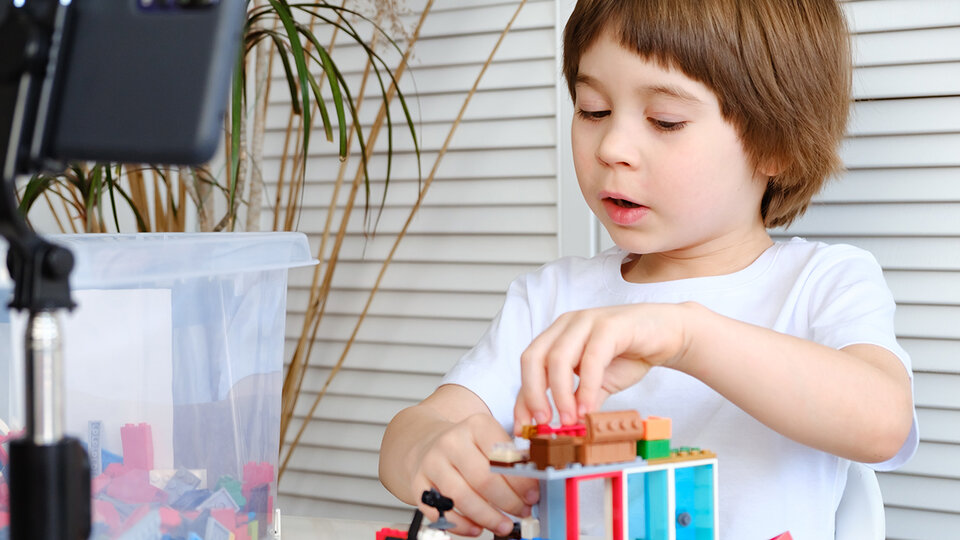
(111, 260)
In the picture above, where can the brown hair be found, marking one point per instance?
(781, 71)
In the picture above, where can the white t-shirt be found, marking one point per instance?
(831, 294)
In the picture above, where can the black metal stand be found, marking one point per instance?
(49, 473)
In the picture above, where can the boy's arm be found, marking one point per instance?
(443, 442)
(855, 403)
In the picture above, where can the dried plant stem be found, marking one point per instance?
(262, 66)
(400, 236)
(56, 216)
(298, 364)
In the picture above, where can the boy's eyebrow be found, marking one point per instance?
(666, 90)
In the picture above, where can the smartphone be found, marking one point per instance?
(144, 81)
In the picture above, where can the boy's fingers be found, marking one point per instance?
(521, 416)
(563, 359)
(527, 489)
(533, 389)
(469, 503)
(597, 354)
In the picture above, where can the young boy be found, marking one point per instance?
(700, 123)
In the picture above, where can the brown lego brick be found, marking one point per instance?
(614, 426)
(556, 452)
(611, 452)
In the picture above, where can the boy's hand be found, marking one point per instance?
(444, 443)
(610, 349)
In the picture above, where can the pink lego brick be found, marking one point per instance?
(784, 536)
(137, 440)
(134, 487)
(4, 519)
(104, 512)
(256, 474)
(226, 516)
(169, 518)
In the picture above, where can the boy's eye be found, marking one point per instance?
(664, 125)
(592, 115)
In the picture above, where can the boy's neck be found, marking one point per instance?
(702, 261)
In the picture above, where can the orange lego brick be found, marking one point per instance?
(656, 428)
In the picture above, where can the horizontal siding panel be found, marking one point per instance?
(934, 459)
(905, 253)
(461, 305)
(409, 386)
(895, 185)
(934, 355)
(334, 461)
(484, 249)
(469, 135)
(425, 109)
(335, 433)
(938, 322)
(520, 44)
(911, 524)
(906, 116)
(445, 192)
(410, 330)
(941, 494)
(925, 287)
(366, 491)
(484, 18)
(349, 409)
(449, 219)
(401, 358)
(934, 150)
(942, 79)
(939, 425)
(907, 47)
(880, 219)
(887, 15)
(505, 162)
(494, 278)
(938, 390)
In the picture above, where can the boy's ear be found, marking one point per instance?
(771, 167)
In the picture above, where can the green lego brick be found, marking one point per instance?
(653, 449)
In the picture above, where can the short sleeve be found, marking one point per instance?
(491, 369)
(852, 304)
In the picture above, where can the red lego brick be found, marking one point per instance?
(391, 534)
(784, 536)
(226, 516)
(256, 474)
(134, 487)
(137, 440)
(4, 520)
(169, 518)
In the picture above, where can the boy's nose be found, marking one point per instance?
(618, 146)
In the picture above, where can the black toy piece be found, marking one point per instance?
(434, 499)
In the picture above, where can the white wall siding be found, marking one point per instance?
(490, 215)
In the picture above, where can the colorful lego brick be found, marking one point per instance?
(573, 430)
(257, 500)
(608, 452)
(784, 536)
(613, 426)
(547, 451)
(653, 449)
(169, 518)
(134, 487)
(142, 527)
(220, 499)
(391, 534)
(684, 453)
(181, 482)
(137, 440)
(226, 516)
(234, 487)
(253, 528)
(656, 428)
(256, 474)
(104, 512)
(109, 460)
(241, 532)
(94, 431)
(191, 499)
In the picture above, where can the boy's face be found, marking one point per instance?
(656, 161)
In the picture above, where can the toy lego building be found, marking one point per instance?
(663, 494)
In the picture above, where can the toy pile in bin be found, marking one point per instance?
(131, 499)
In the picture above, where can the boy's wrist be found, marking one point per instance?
(693, 320)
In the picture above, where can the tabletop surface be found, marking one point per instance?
(307, 528)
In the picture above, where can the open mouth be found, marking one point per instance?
(623, 203)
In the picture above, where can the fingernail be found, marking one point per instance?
(582, 410)
(541, 418)
(505, 528)
(474, 531)
(532, 496)
(566, 419)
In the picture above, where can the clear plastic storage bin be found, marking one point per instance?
(173, 366)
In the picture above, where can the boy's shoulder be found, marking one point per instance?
(822, 254)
